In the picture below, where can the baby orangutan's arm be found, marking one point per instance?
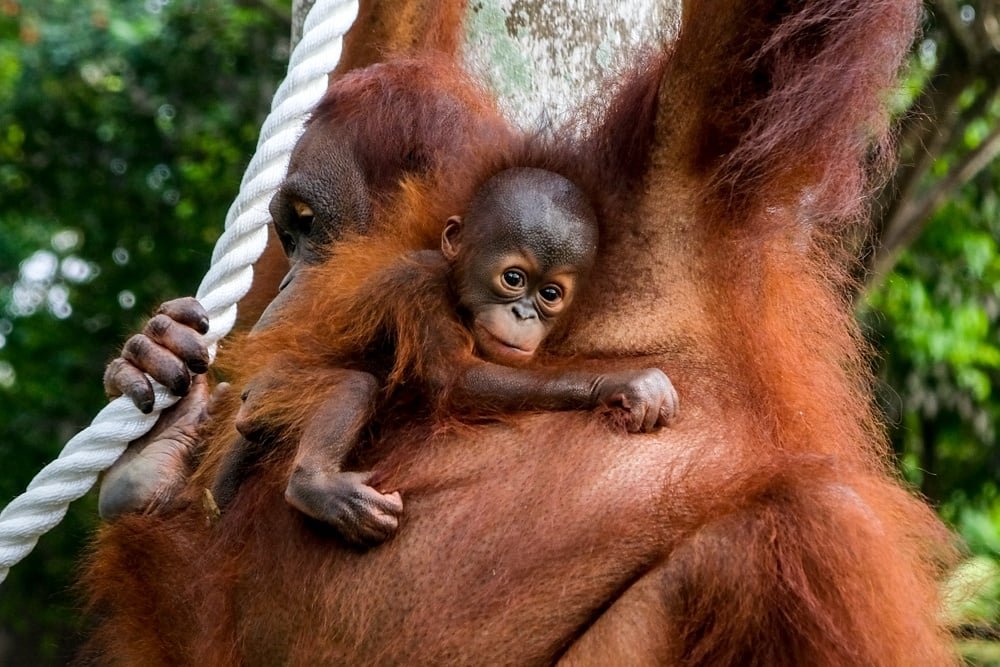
(647, 395)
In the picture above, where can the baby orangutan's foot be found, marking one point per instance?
(360, 513)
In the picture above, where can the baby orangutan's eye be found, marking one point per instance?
(551, 294)
(514, 278)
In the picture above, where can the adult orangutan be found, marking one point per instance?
(766, 528)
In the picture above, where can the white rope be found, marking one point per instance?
(43, 505)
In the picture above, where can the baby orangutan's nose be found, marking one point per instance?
(523, 312)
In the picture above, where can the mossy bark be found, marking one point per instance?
(544, 57)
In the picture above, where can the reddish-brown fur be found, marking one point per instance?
(335, 325)
(766, 528)
(394, 130)
(387, 27)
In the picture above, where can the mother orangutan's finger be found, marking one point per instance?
(121, 377)
(186, 310)
(159, 362)
(179, 339)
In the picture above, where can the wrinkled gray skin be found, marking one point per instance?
(153, 468)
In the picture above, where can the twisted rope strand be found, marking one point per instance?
(43, 505)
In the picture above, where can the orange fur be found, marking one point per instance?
(766, 528)
(385, 28)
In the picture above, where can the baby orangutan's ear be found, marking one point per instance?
(450, 237)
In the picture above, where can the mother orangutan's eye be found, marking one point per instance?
(303, 216)
(514, 278)
(287, 240)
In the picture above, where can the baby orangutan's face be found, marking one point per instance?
(515, 300)
(518, 257)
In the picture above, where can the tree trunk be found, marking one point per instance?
(543, 58)
(299, 10)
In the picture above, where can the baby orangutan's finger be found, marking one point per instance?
(374, 516)
(651, 417)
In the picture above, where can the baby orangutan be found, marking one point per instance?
(462, 322)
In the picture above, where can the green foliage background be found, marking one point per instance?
(125, 128)
(935, 318)
(124, 131)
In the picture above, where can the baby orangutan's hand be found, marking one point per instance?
(647, 396)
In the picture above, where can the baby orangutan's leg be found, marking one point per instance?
(320, 489)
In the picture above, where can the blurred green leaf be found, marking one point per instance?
(124, 131)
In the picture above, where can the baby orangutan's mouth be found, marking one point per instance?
(497, 349)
